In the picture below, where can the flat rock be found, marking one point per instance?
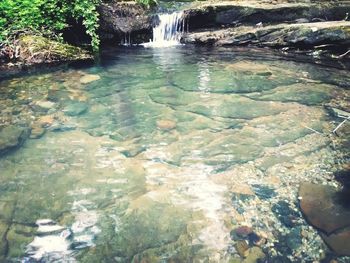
(75, 108)
(89, 78)
(45, 105)
(321, 208)
(228, 13)
(281, 35)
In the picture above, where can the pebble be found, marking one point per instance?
(166, 125)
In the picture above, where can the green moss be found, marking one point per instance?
(38, 49)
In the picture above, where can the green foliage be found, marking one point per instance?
(147, 3)
(48, 15)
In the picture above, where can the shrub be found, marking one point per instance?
(48, 16)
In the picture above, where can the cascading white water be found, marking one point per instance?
(169, 30)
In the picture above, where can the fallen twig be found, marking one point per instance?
(342, 55)
(311, 129)
(341, 124)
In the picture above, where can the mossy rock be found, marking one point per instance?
(38, 49)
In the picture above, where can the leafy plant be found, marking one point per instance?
(48, 16)
(147, 3)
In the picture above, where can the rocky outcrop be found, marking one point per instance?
(287, 25)
(281, 35)
(124, 20)
(253, 12)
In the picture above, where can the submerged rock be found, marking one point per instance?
(89, 78)
(11, 137)
(75, 108)
(45, 105)
(255, 254)
(36, 132)
(321, 208)
(264, 192)
(339, 242)
(242, 247)
(241, 232)
(285, 213)
(166, 125)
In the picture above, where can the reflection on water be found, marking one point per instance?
(160, 155)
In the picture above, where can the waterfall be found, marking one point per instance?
(169, 30)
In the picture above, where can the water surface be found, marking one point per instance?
(155, 155)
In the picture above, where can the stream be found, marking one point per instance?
(156, 155)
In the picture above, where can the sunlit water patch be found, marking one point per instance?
(167, 155)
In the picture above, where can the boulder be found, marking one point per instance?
(322, 209)
(339, 242)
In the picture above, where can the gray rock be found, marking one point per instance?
(248, 13)
(75, 108)
(282, 35)
(120, 19)
(11, 137)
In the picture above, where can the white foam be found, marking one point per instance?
(169, 30)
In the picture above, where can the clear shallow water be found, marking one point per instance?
(156, 155)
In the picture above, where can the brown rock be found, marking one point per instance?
(242, 247)
(241, 188)
(46, 121)
(243, 231)
(166, 125)
(321, 208)
(36, 132)
(339, 242)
